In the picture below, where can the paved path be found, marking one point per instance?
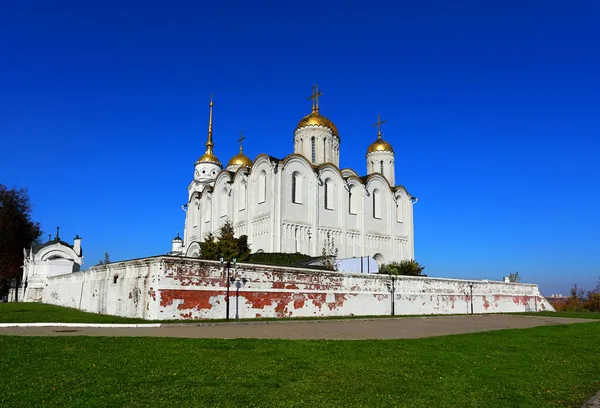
(353, 329)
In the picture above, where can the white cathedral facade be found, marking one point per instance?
(294, 204)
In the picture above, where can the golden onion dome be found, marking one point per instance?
(315, 119)
(208, 157)
(240, 159)
(380, 145)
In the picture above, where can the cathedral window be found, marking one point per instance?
(262, 187)
(352, 200)
(328, 194)
(223, 202)
(296, 188)
(207, 210)
(314, 149)
(399, 209)
(381, 166)
(242, 196)
(376, 204)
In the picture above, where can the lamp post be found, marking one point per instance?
(238, 284)
(227, 265)
(471, 287)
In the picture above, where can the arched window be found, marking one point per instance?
(352, 200)
(262, 187)
(314, 149)
(195, 214)
(381, 166)
(242, 196)
(376, 204)
(399, 209)
(296, 188)
(223, 202)
(207, 210)
(328, 194)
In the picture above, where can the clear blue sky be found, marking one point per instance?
(493, 110)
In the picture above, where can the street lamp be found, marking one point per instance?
(238, 284)
(227, 265)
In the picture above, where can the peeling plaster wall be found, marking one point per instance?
(167, 288)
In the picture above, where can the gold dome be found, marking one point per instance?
(317, 120)
(240, 159)
(380, 145)
(208, 157)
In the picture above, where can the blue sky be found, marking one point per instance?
(492, 106)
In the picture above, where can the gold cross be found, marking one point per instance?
(315, 97)
(378, 124)
(241, 139)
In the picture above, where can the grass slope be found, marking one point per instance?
(42, 313)
(538, 367)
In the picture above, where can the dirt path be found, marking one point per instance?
(358, 329)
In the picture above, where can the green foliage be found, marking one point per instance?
(17, 231)
(104, 261)
(538, 367)
(226, 245)
(406, 267)
(278, 258)
(329, 253)
(514, 277)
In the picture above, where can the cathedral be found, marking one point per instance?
(304, 201)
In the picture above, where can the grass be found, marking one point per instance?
(538, 367)
(44, 313)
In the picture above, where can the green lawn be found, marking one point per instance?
(538, 367)
(43, 313)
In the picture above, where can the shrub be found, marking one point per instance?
(408, 267)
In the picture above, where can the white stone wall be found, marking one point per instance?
(164, 288)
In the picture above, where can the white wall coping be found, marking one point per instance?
(104, 325)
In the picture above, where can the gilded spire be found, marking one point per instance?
(208, 155)
(315, 98)
(209, 142)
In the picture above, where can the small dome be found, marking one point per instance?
(208, 157)
(177, 238)
(240, 159)
(317, 120)
(380, 145)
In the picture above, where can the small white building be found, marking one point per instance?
(294, 204)
(43, 261)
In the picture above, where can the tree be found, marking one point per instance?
(575, 299)
(226, 245)
(17, 231)
(329, 253)
(106, 259)
(408, 267)
(514, 277)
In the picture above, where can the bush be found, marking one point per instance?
(408, 267)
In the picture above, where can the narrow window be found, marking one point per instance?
(381, 167)
(262, 187)
(326, 195)
(207, 210)
(352, 200)
(399, 209)
(376, 204)
(294, 188)
(314, 149)
(223, 203)
(329, 189)
(242, 196)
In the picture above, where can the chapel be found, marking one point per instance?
(304, 200)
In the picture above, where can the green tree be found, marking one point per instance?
(514, 277)
(17, 232)
(408, 267)
(226, 245)
(575, 301)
